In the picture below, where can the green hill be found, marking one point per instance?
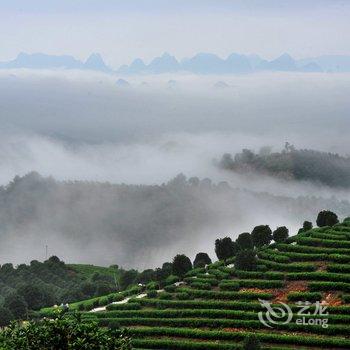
(325, 168)
(87, 271)
(218, 307)
(24, 288)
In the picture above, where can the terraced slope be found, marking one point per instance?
(217, 307)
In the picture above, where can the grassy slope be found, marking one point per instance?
(218, 309)
(86, 271)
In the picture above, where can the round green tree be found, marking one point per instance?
(261, 235)
(225, 248)
(181, 265)
(201, 260)
(307, 225)
(280, 234)
(244, 241)
(326, 218)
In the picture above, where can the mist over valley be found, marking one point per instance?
(113, 153)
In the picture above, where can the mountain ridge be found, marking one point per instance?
(200, 63)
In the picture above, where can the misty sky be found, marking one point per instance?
(123, 30)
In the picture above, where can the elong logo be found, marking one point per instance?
(310, 314)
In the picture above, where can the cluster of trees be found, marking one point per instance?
(182, 264)
(30, 287)
(169, 271)
(324, 218)
(159, 276)
(326, 168)
(243, 248)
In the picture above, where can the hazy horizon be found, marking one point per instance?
(301, 28)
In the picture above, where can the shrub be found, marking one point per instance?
(319, 276)
(328, 243)
(272, 255)
(346, 298)
(219, 274)
(171, 279)
(251, 343)
(340, 268)
(249, 283)
(312, 249)
(165, 296)
(200, 285)
(268, 337)
(327, 286)
(152, 294)
(261, 268)
(152, 286)
(304, 296)
(182, 296)
(246, 260)
(292, 267)
(179, 345)
(247, 274)
(170, 289)
(195, 272)
(103, 301)
(210, 294)
(229, 286)
(203, 279)
(117, 297)
(62, 333)
(127, 306)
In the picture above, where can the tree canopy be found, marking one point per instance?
(225, 248)
(181, 265)
(326, 218)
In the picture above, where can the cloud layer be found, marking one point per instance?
(75, 126)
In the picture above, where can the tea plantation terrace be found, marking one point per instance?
(217, 307)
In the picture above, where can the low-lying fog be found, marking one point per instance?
(82, 126)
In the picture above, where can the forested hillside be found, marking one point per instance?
(135, 225)
(24, 288)
(308, 165)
